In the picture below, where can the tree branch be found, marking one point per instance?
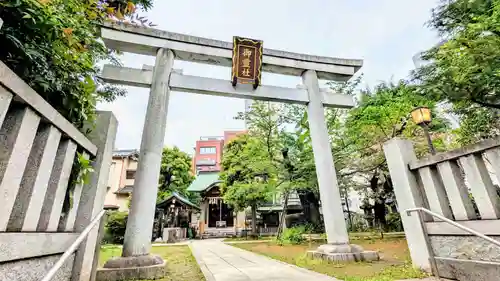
(363, 170)
(485, 104)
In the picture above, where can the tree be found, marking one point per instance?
(54, 45)
(267, 122)
(248, 175)
(175, 173)
(466, 66)
(464, 69)
(383, 114)
(476, 122)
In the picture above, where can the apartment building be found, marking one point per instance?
(208, 152)
(121, 179)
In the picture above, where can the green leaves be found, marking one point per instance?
(55, 46)
(248, 174)
(175, 172)
(464, 69)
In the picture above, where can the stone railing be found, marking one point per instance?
(459, 185)
(37, 151)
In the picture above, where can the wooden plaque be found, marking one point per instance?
(247, 61)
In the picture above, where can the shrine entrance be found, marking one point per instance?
(219, 214)
(246, 59)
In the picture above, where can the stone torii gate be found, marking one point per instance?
(161, 79)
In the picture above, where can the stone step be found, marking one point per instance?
(468, 270)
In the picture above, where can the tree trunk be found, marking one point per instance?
(283, 214)
(254, 220)
(314, 214)
(310, 207)
(379, 204)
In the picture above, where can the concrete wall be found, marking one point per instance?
(117, 180)
(33, 269)
(465, 247)
(466, 258)
(122, 201)
(114, 179)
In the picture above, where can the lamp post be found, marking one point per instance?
(422, 117)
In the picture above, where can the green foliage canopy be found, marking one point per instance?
(54, 45)
(248, 174)
(175, 173)
(465, 68)
(467, 65)
(381, 115)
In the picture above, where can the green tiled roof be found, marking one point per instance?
(180, 198)
(203, 181)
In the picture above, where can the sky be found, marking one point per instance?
(386, 34)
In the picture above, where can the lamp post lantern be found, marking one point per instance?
(422, 117)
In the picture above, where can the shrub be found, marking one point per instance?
(107, 237)
(292, 235)
(394, 222)
(115, 227)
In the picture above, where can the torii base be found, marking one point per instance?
(343, 253)
(147, 267)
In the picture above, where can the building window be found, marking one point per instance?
(130, 175)
(207, 150)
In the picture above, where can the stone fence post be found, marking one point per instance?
(399, 153)
(92, 196)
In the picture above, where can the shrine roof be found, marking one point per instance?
(178, 197)
(203, 181)
(121, 153)
(125, 190)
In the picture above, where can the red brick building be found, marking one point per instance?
(208, 152)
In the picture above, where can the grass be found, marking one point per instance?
(321, 238)
(181, 265)
(395, 264)
(249, 238)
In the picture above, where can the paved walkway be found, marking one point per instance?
(221, 262)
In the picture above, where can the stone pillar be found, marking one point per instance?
(203, 212)
(338, 247)
(142, 209)
(331, 204)
(92, 196)
(399, 153)
(136, 261)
